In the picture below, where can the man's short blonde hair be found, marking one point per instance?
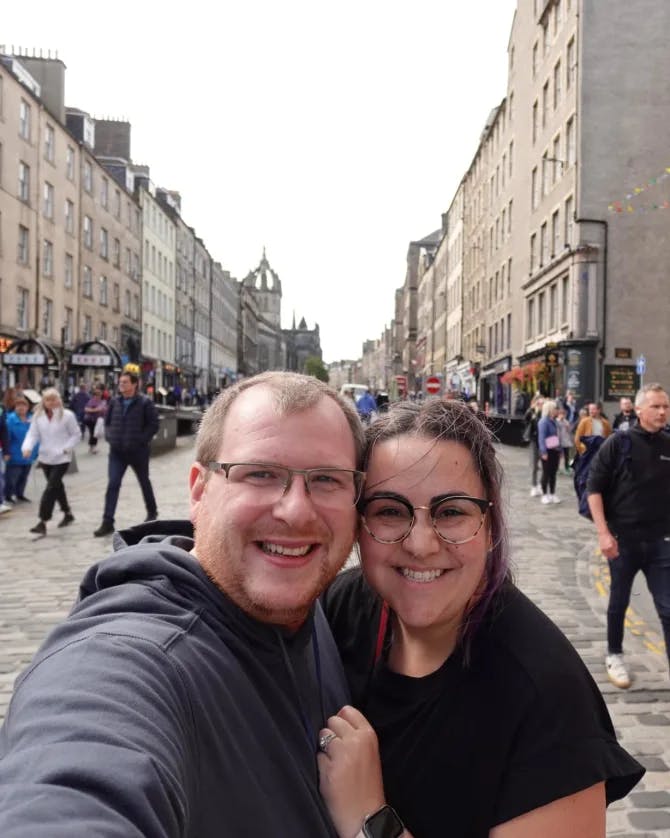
(291, 393)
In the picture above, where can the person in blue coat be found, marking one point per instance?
(366, 405)
(17, 466)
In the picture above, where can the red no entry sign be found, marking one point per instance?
(433, 385)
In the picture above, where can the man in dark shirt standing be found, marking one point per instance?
(629, 498)
(626, 418)
(131, 422)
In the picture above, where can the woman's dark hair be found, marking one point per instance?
(452, 420)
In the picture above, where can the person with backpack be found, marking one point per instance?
(628, 493)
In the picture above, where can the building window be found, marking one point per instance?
(47, 317)
(117, 204)
(115, 336)
(48, 201)
(545, 174)
(22, 308)
(545, 103)
(23, 252)
(104, 192)
(553, 313)
(569, 221)
(565, 291)
(68, 277)
(555, 235)
(87, 282)
(116, 253)
(88, 328)
(557, 164)
(48, 258)
(509, 331)
(509, 218)
(126, 303)
(69, 163)
(540, 313)
(544, 245)
(88, 232)
(535, 121)
(103, 291)
(571, 69)
(116, 298)
(104, 243)
(24, 120)
(88, 176)
(67, 333)
(49, 143)
(24, 182)
(530, 319)
(103, 330)
(69, 216)
(534, 197)
(534, 59)
(557, 83)
(533, 254)
(570, 139)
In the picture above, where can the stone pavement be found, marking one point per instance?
(555, 561)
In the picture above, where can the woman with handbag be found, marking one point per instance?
(95, 410)
(549, 445)
(57, 431)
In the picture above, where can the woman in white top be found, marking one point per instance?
(57, 432)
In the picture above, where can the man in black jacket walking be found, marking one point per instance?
(629, 498)
(130, 423)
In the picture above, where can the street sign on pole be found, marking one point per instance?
(641, 368)
(433, 385)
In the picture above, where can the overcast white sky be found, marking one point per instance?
(332, 134)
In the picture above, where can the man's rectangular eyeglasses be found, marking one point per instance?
(456, 519)
(329, 487)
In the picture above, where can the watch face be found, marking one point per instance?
(383, 824)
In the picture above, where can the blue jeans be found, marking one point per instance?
(118, 463)
(653, 559)
(16, 478)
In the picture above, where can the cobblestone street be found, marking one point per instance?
(556, 564)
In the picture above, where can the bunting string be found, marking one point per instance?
(624, 205)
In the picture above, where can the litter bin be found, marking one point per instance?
(166, 437)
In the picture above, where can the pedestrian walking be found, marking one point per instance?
(594, 424)
(94, 415)
(625, 418)
(549, 445)
(78, 404)
(131, 422)
(56, 430)
(367, 407)
(565, 436)
(184, 694)
(531, 418)
(629, 498)
(17, 466)
(488, 721)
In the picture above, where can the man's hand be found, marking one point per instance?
(608, 544)
(350, 775)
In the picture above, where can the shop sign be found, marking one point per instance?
(623, 353)
(28, 359)
(551, 358)
(5, 343)
(620, 380)
(80, 360)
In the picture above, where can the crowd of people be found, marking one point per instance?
(359, 702)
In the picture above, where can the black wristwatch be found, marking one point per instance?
(384, 823)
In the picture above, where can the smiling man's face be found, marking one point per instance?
(274, 559)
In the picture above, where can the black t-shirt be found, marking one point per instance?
(472, 746)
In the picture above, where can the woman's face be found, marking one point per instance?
(426, 581)
(21, 409)
(51, 402)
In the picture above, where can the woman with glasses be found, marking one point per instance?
(488, 722)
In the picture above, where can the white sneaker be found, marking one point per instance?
(535, 492)
(617, 672)
(5, 507)
(546, 499)
(555, 498)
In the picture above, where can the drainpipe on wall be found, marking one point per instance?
(603, 344)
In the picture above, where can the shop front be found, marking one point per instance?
(95, 360)
(558, 367)
(30, 363)
(495, 394)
